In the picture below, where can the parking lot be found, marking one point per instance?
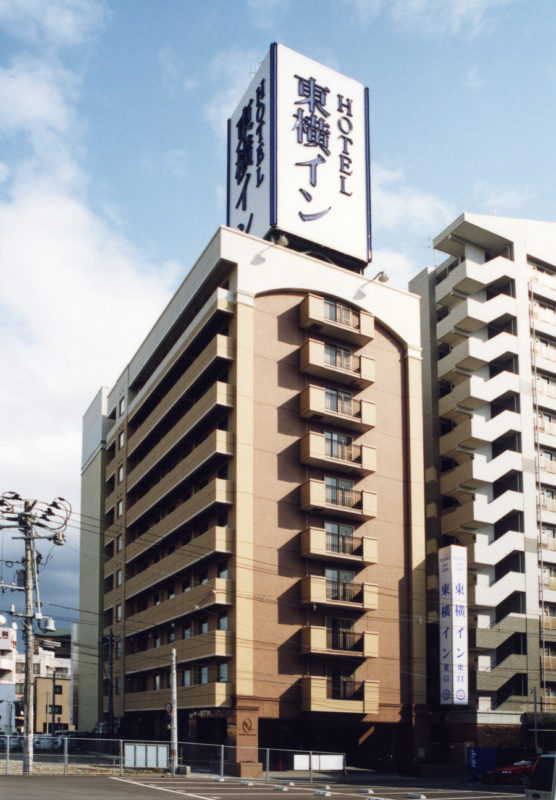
(135, 787)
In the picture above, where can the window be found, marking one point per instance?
(119, 543)
(338, 312)
(222, 622)
(204, 675)
(203, 576)
(58, 688)
(118, 613)
(186, 631)
(156, 599)
(186, 584)
(171, 593)
(339, 584)
(20, 666)
(171, 636)
(223, 673)
(157, 683)
(120, 508)
(118, 577)
(223, 570)
(339, 537)
(54, 709)
(120, 474)
(338, 445)
(338, 400)
(121, 440)
(121, 406)
(203, 625)
(19, 688)
(118, 685)
(118, 652)
(337, 356)
(339, 491)
(187, 677)
(157, 639)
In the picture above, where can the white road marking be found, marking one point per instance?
(162, 789)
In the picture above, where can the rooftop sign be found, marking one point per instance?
(298, 156)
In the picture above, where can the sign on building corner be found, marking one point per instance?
(453, 625)
(298, 155)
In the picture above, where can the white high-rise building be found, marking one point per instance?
(489, 339)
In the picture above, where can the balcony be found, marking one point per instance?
(468, 277)
(318, 590)
(218, 443)
(220, 395)
(543, 279)
(474, 473)
(205, 695)
(479, 512)
(217, 591)
(317, 543)
(473, 353)
(357, 415)
(342, 366)
(344, 697)
(315, 449)
(220, 347)
(315, 495)
(476, 432)
(549, 661)
(470, 315)
(205, 645)
(217, 541)
(474, 392)
(322, 641)
(216, 492)
(336, 319)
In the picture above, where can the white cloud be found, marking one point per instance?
(176, 162)
(231, 73)
(495, 199)
(76, 298)
(398, 205)
(57, 22)
(34, 96)
(399, 267)
(432, 17)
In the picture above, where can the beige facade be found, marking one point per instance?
(50, 692)
(264, 510)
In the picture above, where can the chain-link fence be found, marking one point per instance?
(72, 755)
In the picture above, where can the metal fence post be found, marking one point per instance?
(267, 763)
(65, 755)
(7, 754)
(221, 760)
(121, 757)
(311, 766)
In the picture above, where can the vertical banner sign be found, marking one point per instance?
(298, 155)
(452, 570)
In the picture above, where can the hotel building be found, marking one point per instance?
(259, 469)
(489, 354)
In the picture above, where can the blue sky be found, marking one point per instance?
(113, 174)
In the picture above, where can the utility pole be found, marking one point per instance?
(174, 713)
(109, 640)
(25, 515)
(53, 695)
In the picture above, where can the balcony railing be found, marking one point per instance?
(349, 502)
(317, 449)
(337, 695)
(316, 403)
(336, 319)
(337, 363)
(347, 592)
(316, 589)
(317, 543)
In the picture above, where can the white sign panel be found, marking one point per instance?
(452, 571)
(298, 155)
